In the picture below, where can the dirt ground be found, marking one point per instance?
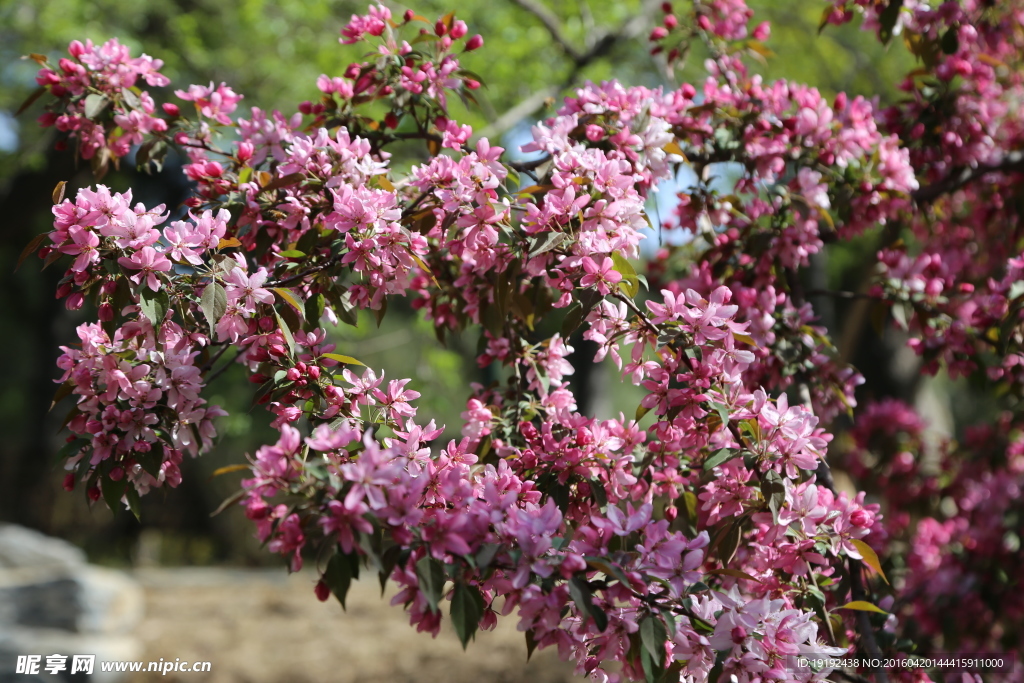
(267, 627)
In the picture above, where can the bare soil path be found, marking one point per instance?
(262, 626)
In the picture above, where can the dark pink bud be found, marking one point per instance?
(671, 513)
(474, 43)
(93, 493)
(257, 508)
(117, 474)
(171, 109)
(439, 28)
(76, 49)
(458, 29)
(739, 634)
(69, 481)
(666, 7)
(390, 120)
(671, 22)
(409, 14)
(245, 151)
(860, 518)
(322, 591)
(658, 33)
(704, 23)
(471, 84)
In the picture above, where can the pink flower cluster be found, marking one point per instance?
(709, 541)
(101, 108)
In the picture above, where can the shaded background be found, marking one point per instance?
(272, 53)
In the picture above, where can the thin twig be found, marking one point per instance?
(1013, 162)
(220, 371)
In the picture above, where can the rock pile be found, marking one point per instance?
(52, 602)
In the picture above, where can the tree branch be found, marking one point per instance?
(551, 23)
(1011, 163)
(602, 45)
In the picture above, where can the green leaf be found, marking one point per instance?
(31, 248)
(577, 312)
(284, 181)
(130, 98)
(292, 253)
(36, 94)
(950, 42)
(113, 491)
(869, 557)
(214, 303)
(154, 305)
(95, 104)
(774, 491)
(151, 460)
(134, 504)
(734, 573)
(862, 606)
(545, 242)
(584, 599)
(288, 297)
(531, 644)
(486, 555)
(348, 360)
(432, 577)
(314, 309)
(722, 456)
(887, 20)
(341, 569)
(630, 285)
(730, 542)
(288, 338)
(466, 611)
(653, 636)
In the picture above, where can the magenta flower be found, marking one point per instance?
(600, 276)
(148, 261)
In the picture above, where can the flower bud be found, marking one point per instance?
(245, 151)
(458, 29)
(76, 49)
(474, 43)
(440, 29)
(69, 481)
(171, 109)
(322, 591)
(93, 493)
